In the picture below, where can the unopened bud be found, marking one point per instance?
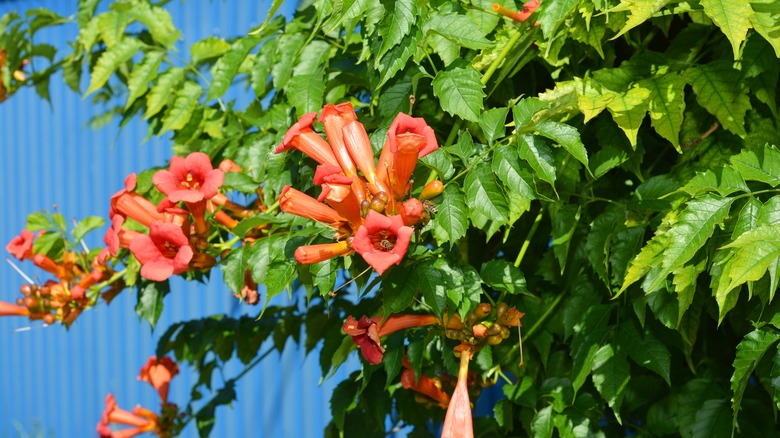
(49, 318)
(431, 190)
(483, 310)
(365, 205)
(479, 331)
(30, 303)
(494, 340)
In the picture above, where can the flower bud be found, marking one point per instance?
(483, 310)
(479, 331)
(431, 190)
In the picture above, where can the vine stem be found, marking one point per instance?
(542, 319)
(527, 241)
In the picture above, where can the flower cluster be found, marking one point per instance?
(177, 227)
(367, 203)
(17, 74)
(66, 297)
(528, 9)
(157, 373)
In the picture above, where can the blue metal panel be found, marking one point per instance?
(59, 379)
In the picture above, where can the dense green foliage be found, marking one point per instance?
(612, 172)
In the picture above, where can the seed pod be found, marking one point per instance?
(494, 340)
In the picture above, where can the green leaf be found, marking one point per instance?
(564, 222)
(766, 22)
(167, 83)
(305, 93)
(667, 104)
(535, 152)
(110, 61)
(460, 91)
(156, 19)
(451, 222)
(287, 48)
(241, 182)
(610, 376)
(234, 267)
(749, 352)
(628, 110)
(458, 29)
(208, 48)
(150, 300)
(523, 112)
(507, 167)
(261, 71)
(566, 136)
(759, 164)
(503, 276)
(493, 123)
(694, 226)
(718, 89)
(712, 420)
(395, 60)
(142, 74)
(757, 251)
(38, 221)
(552, 14)
(344, 398)
(86, 225)
(180, 111)
(432, 287)
(542, 425)
(226, 67)
(723, 180)
(646, 350)
(733, 18)
(484, 196)
(441, 162)
(640, 10)
(396, 25)
(112, 26)
(399, 289)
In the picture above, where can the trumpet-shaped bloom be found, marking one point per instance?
(118, 237)
(301, 136)
(367, 331)
(457, 422)
(406, 154)
(8, 309)
(21, 245)
(159, 373)
(191, 179)
(142, 420)
(426, 386)
(359, 147)
(405, 124)
(382, 241)
(129, 204)
(164, 252)
(335, 117)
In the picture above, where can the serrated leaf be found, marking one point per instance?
(640, 11)
(757, 250)
(712, 420)
(649, 257)
(397, 24)
(111, 26)
(749, 352)
(441, 162)
(458, 29)
(646, 350)
(451, 222)
(208, 48)
(398, 290)
(343, 399)
(766, 21)
(667, 104)
(628, 110)
(395, 60)
(718, 89)
(484, 196)
(156, 19)
(38, 221)
(610, 376)
(552, 14)
(523, 112)
(733, 19)
(234, 267)
(167, 83)
(226, 67)
(305, 93)
(110, 61)
(542, 425)
(287, 47)
(691, 231)
(460, 91)
(759, 164)
(150, 300)
(566, 136)
(492, 123)
(143, 73)
(432, 287)
(535, 152)
(180, 111)
(507, 167)
(599, 241)
(86, 225)
(564, 222)
(723, 180)
(503, 276)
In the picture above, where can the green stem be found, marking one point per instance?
(527, 241)
(543, 319)
(272, 207)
